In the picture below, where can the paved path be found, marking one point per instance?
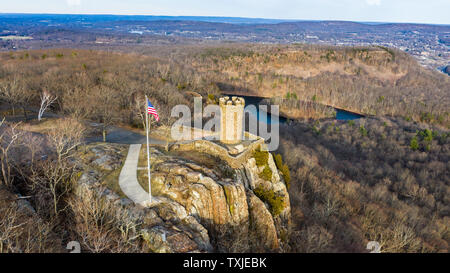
(128, 178)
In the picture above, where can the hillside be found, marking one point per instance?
(73, 193)
(383, 177)
(376, 179)
(371, 81)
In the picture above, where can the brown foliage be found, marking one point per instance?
(350, 189)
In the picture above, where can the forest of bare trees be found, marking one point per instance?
(354, 182)
(366, 80)
(371, 81)
(382, 178)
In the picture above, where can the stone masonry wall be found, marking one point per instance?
(232, 118)
(219, 151)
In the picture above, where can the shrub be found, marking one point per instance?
(443, 138)
(266, 173)
(414, 144)
(278, 161)
(286, 175)
(275, 201)
(181, 86)
(292, 96)
(261, 157)
(284, 169)
(363, 130)
(427, 135)
(315, 129)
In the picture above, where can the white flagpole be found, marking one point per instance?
(148, 149)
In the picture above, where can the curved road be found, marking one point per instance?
(124, 136)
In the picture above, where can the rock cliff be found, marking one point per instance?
(205, 205)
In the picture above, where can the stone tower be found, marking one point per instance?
(232, 119)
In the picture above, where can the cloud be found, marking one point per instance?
(373, 2)
(73, 3)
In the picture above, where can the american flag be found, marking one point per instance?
(151, 110)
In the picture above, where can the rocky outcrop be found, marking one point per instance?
(203, 209)
(263, 227)
(274, 227)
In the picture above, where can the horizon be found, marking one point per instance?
(371, 11)
(281, 20)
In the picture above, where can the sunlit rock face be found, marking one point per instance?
(209, 207)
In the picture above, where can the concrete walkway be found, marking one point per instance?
(128, 178)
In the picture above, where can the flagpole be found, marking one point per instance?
(148, 150)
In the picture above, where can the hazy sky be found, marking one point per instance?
(420, 11)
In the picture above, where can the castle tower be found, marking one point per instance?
(232, 118)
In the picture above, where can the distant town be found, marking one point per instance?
(429, 44)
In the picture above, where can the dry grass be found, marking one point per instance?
(111, 181)
(43, 127)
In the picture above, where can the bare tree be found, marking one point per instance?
(10, 92)
(34, 144)
(47, 99)
(8, 139)
(75, 102)
(139, 105)
(22, 232)
(9, 228)
(54, 176)
(55, 179)
(66, 137)
(102, 227)
(15, 93)
(106, 108)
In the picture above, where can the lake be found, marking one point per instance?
(346, 115)
(256, 101)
